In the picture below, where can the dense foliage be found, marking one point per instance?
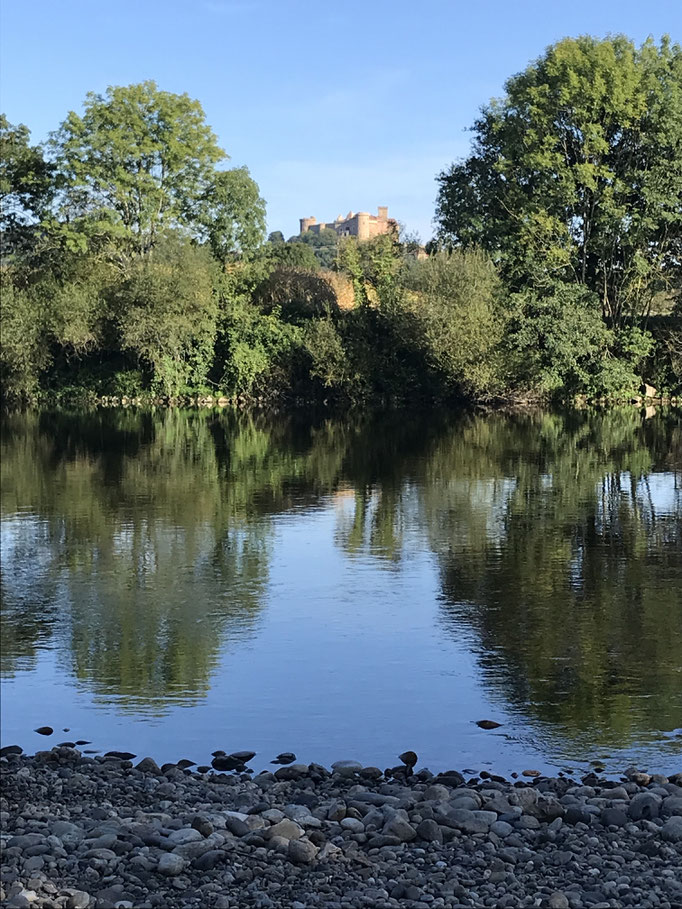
(134, 263)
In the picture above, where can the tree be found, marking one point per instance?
(276, 237)
(26, 185)
(167, 315)
(458, 320)
(576, 174)
(136, 162)
(325, 245)
(232, 214)
(294, 255)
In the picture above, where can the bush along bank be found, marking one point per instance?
(82, 833)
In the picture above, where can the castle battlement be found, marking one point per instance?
(355, 224)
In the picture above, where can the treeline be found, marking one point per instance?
(135, 263)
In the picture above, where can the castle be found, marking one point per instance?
(361, 224)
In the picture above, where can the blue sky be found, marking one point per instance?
(332, 106)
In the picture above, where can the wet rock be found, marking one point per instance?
(10, 749)
(286, 757)
(44, 730)
(292, 772)
(346, 768)
(149, 765)
(243, 756)
(409, 758)
(488, 724)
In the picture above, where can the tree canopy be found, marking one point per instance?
(26, 184)
(576, 173)
(137, 161)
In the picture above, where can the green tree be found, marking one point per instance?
(166, 313)
(232, 214)
(325, 244)
(558, 344)
(23, 351)
(26, 186)
(137, 161)
(458, 320)
(576, 174)
(293, 254)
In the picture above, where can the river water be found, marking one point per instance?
(178, 582)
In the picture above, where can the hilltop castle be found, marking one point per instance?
(361, 224)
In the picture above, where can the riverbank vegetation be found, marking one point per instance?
(136, 263)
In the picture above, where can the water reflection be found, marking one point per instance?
(139, 548)
(568, 569)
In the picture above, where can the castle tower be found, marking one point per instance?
(363, 225)
(383, 212)
(307, 223)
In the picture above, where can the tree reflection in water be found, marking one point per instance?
(139, 546)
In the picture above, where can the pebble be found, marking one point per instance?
(107, 836)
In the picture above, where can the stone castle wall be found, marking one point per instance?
(361, 224)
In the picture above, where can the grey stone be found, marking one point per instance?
(185, 835)
(171, 864)
(501, 829)
(292, 772)
(18, 901)
(464, 820)
(236, 826)
(346, 768)
(617, 793)
(614, 817)
(437, 793)
(527, 822)
(70, 834)
(148, 765)
(488, 817)
(78, 899)
(336, 811)
(644, 805)
(302, 852)
(209, 860)
(353, 824)
(429, 831)
(672, 806)
(558, 900)
(672, 829)
(400, 828)
(290, 830)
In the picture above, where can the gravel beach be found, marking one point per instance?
(82, 833)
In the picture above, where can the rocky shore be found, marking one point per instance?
(80, 832)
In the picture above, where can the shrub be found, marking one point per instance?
(560, 345)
